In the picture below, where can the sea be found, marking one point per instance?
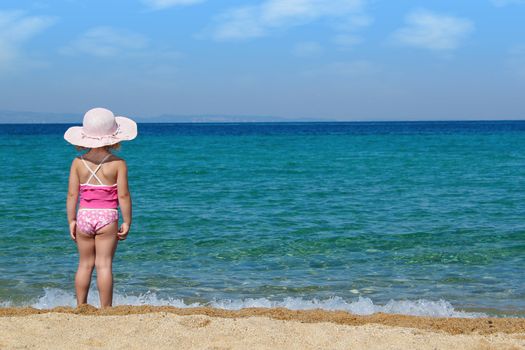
(416, 218)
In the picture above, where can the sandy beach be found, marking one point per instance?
(139, 327)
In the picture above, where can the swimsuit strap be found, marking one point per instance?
(93, 173)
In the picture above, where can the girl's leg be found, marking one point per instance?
(105, 246)
(86, 262)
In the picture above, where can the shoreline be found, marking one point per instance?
(453, 326)
(150, 327)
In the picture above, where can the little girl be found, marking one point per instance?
(101, 180)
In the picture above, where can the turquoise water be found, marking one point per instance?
(416, 218)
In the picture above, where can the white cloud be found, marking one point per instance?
(240, 23)
(433, 31)
(106, 42)
(307, 49)
(501, 3)
(15, 29)
(162, 4)
(347, 38)
(255, 21)
(354, 22)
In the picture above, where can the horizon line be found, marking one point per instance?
(289, 121)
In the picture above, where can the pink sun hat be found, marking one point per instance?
(101, 128)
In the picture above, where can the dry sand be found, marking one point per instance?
(142, 327)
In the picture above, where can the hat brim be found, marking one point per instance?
(127, 130)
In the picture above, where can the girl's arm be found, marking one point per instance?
(72, 199)
(124, 199)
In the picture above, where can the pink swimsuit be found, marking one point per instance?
(98, 203)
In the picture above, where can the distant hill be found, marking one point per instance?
(168, 118)
(12, 117)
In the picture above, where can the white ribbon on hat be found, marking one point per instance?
(112, 136)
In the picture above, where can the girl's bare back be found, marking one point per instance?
(107, 173)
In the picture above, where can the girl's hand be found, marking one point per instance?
(73, 230)
(123, 231)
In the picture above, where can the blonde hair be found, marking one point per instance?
(115, 146)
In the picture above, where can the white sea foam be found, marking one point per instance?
(361, 306)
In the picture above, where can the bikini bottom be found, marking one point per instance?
(90, 221)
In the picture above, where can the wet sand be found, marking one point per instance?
(164, 327)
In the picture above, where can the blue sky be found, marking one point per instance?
(338, 59)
